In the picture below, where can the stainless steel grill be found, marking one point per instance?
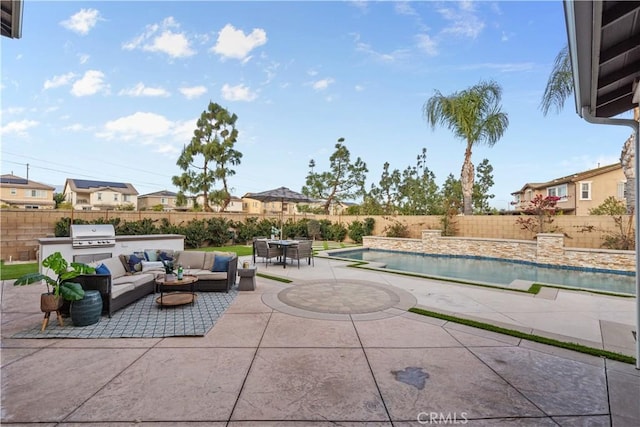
(92, 235)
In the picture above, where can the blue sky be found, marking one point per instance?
(112, 90)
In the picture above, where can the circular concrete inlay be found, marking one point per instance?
(341, 297)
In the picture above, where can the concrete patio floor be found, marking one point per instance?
(335, 346)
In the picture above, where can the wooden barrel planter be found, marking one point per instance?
(87, 310)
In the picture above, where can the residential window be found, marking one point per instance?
(31, 207)
(99, 196)
(529, 195)
(39, 194)
(559, 191)
(14, 191)
(163, 201)
(585, 191)
(115, 197)
(621, 193)
(126, 198)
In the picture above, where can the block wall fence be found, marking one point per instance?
(20, 229)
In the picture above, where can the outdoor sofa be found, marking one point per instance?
(128, 278)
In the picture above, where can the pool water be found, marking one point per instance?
(495, 271)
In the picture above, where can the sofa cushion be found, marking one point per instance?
(191, 259)
(221, 263)
(121, 289)
(208, 261)
(115, 267)
(134, 279)
(210, 275)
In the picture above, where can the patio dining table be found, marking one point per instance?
(284, 244)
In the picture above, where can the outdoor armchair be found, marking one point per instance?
(263, 250)
(303, 250)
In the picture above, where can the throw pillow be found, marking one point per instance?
(152, 265)
(135, 262)
(102, 269)
(151, 255)
(165, 255)
(221, 263)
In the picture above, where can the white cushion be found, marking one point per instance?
(152, 265)
(115, 267)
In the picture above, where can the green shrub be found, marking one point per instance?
(356, 231)
(397, 229)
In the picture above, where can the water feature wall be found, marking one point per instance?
(548, 248)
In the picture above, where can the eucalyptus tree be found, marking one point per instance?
(473, 115)
(343, 181)
(418, 189)
(209, 157)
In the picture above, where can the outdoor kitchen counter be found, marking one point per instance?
(123, 245)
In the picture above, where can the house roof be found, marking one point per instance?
(604, 46)
(9, 180)
(88, 186)
(163, 193)
(580, 176)
(11, 18)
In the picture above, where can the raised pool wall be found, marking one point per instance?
(547, 248)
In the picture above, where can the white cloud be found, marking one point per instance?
(58, 81)
(161, 38)
(141, 90)
(82, 22)
(138, 126)
(182, 132)
(464, 23)
(360, 4)
(404, 8)
(83, 58)
(193, 92)
(238, 93)
(18, 128)
(312, 73)
(359, 88)
(13, 110)
(76, 127)
(235, 44)
(378, 56)
(427, 44)
(91, 83)
(323, 83)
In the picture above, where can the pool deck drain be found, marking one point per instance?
(343, 299)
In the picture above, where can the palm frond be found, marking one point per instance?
(560, 84)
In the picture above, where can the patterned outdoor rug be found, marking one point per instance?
(144, 319)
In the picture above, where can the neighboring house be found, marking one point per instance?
(17, 192)
(166, 199)
(235, 205)
(90, 195)
(335, 208)
(252, 206)
(579, 192)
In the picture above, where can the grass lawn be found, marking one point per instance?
(240, 250)
(13, 271)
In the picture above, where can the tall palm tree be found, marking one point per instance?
(560, 83)
(474, 115)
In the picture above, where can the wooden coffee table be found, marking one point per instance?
(169, 297)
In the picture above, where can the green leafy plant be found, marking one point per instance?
(539, 214)
(623, 237)
(62, 284)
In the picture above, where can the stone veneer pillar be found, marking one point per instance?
(550, 248)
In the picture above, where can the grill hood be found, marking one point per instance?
(92, 235)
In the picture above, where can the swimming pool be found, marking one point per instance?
(496, 271)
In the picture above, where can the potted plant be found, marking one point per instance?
(61, 288)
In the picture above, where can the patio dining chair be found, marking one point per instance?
(303, 250)
(263, 250)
